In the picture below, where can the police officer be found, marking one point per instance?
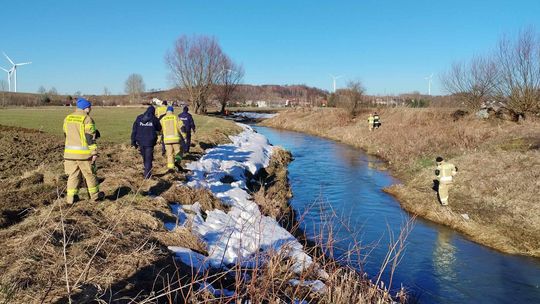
(445, 173)
(172, 138)
(80, 151)
(188, 126)
(144, 135)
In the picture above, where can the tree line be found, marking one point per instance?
(509, 74)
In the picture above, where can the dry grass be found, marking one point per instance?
(498, 161)
(85, 252)
(116, 251)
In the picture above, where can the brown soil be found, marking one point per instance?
(107, 250)
(499, 167)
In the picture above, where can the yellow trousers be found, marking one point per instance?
(74, 169)
(443, 193)
(172, 150)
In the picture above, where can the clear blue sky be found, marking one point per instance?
(389, 45)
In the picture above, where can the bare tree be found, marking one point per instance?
(106, 91)
(195, 63)
(230, 76)
(519, 63)
(474, 82)
(351, 97)
(134, 86)
(42, 90)
(53, 91)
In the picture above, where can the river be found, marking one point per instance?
(438, 265)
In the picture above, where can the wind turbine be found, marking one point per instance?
(8, 78)
(13, 71)
(429, 79)
(334, 79)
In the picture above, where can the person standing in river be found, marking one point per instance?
(445, 173)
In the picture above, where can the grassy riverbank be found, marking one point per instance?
(499, 167)
(117, 250)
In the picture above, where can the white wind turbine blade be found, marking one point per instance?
(24, 63)
(9, 58)
(4, 70)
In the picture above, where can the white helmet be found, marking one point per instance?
(157, 101)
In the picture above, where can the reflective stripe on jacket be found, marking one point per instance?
(446, 172)
(170, 125)
(79, 130)
(160, 111)
(376, 118)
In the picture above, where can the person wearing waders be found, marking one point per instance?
(172, 138)
(144, 136)
(445, 173)
(188, 125)
(80, 152)
(370, 121)
(161, 110)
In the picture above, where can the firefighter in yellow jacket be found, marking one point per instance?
(80, 151)
(161, 109)
(371, 121)
(445, 173)
(172, 138)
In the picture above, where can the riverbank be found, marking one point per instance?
(498, 196)
(121, 248)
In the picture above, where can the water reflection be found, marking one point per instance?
(444, 256)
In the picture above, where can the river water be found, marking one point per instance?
(333, 182)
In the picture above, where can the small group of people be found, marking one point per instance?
(80, 150)
(81, 153)
(374, 121)
(162, 124)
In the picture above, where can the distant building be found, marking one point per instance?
(262, 104)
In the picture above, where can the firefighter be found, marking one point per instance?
(161, 109)
(376, 121)
(80, 152)
(172, 138)
(445, 173)
(370, 121)
(188, 125)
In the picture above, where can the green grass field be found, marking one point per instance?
(114, 123)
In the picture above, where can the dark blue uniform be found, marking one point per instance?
(144, 135)
(188, 125)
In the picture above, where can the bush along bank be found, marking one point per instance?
(493, 200)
